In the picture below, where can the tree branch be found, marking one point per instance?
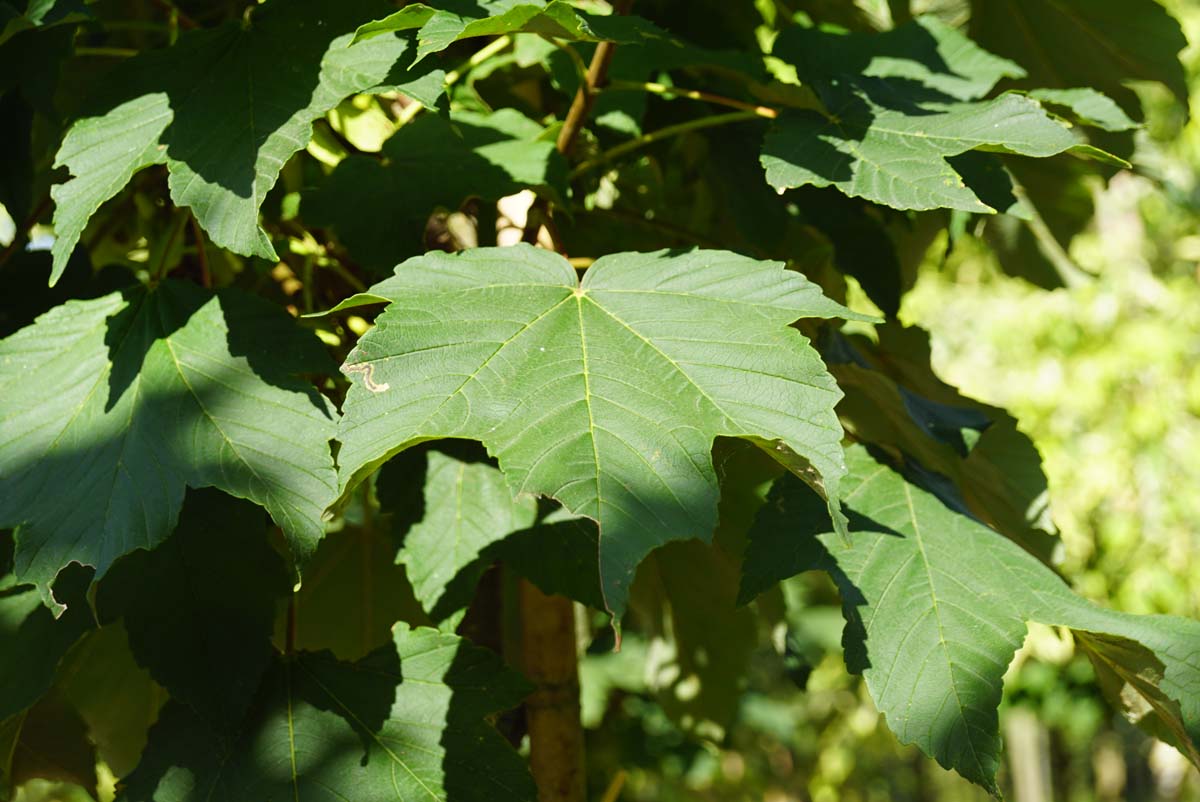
(581, 106)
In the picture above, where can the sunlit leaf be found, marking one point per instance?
(605, 394)
(899, 105)
(438, 28)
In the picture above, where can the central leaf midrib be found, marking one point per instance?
(678, 368)
(587, 400)
(291, 732)
(916, 529)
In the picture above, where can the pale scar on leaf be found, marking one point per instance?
(368, 376)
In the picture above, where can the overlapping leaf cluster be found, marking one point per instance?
(235, 572)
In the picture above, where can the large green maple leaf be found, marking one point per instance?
(605, 394)
(224, 108)
(110, 408)
(405, 722)
(898, 107)
(937, 606)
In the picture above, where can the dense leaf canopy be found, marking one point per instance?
(616, 296)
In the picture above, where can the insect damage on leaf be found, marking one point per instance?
(367, 371)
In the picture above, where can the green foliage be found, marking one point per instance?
(1087, 106)
(439, 27)
(467, 508)
(1102, 45)
(899, 106)
(1090, 359)
(145, 393)
(220, 113)
(39, 14)
(227, 556)
(116, 698)
(34, 640)
(215, 581)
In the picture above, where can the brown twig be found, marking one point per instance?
(662, 133)
(613, 792)
(581, 106)
(692, 94)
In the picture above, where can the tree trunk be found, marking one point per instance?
(552, 710)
